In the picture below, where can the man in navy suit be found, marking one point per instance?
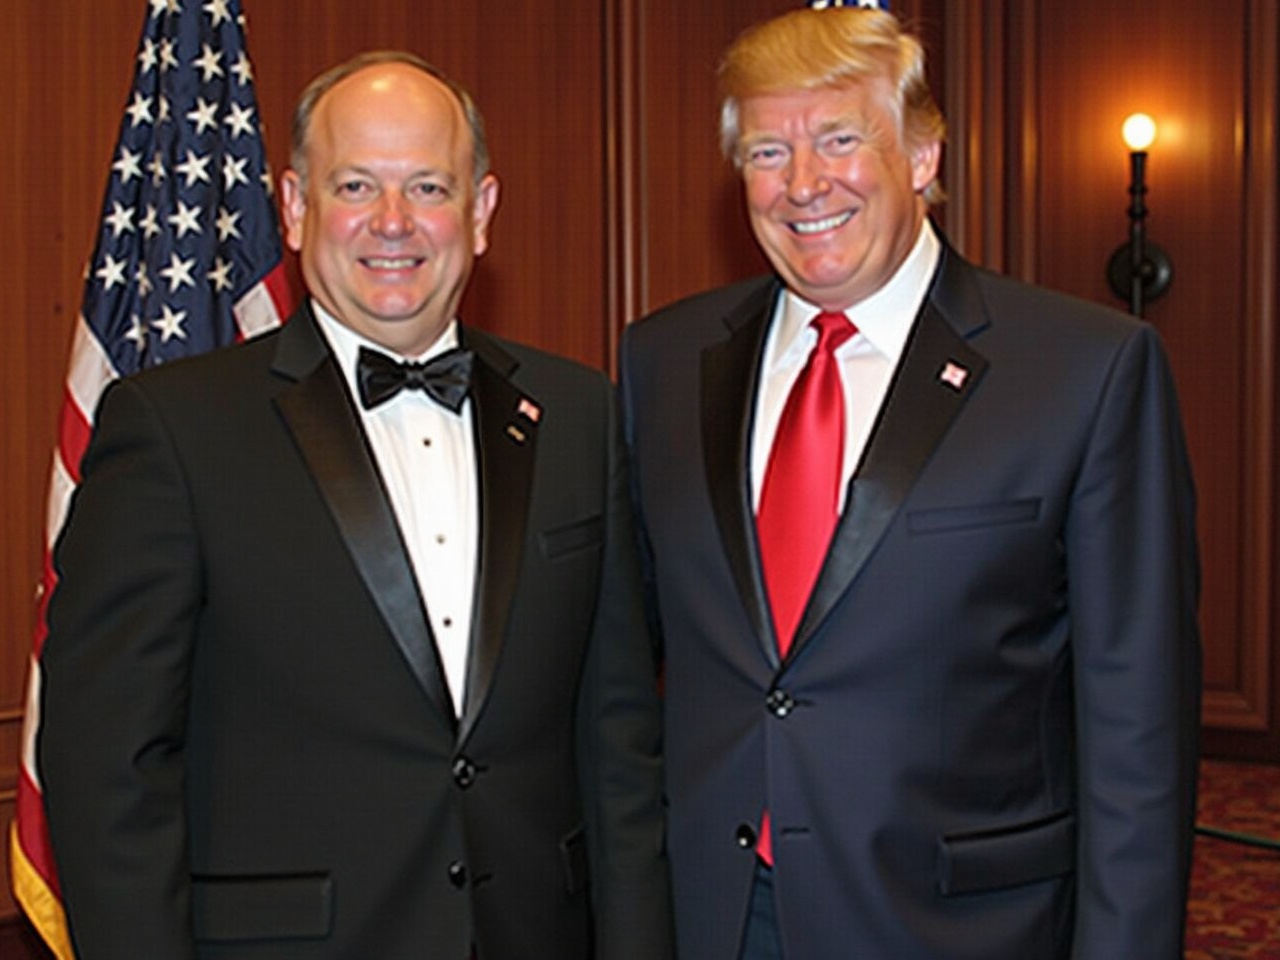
(340, 671)
(922, 549)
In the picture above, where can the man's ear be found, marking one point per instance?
(486, 202)
(924, 164)
(293, 205)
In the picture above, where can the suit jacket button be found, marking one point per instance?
(464, 772)
(458, 874)
(780, 703)
(745, 836)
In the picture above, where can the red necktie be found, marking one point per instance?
(799, 502)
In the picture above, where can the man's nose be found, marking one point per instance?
(393, 216)
(806, 176)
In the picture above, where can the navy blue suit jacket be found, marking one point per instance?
(982, 743)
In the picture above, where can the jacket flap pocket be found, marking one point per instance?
(973, 517)
(971, 862)
(298, 906)
(573, 536)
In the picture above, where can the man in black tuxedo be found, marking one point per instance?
(923, 553)
(341, 670)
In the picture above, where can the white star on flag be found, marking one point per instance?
(239, 120)
(120, 219)
(204, 116)
(233, 172)
(111, 272)
(170, 323)
(209, 62)
(226, 225)
(128, 165)
(193, 168)
(178, 272)
(186, 219)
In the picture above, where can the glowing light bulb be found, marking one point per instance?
(1139, 131)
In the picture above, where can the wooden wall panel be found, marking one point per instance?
(1045, 199)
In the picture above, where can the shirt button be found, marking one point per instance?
(745, 836)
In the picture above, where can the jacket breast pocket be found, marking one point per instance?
(292, 907)
(975, 516)
(572, 537)
(1007, 857)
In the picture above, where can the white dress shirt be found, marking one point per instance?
(866, 361)
(426, 455)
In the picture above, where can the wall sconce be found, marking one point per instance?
(1138, 270)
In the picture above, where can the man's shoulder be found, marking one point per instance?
(534, 367)
(1007, 296)
(715, 302)
(223, 365)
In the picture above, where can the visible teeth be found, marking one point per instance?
(817, 226)
(388, 263)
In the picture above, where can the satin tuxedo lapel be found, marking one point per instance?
(729, 375)
(328, 433)
(938, 372)
(506, 441)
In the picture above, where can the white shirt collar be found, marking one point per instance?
(346, 343)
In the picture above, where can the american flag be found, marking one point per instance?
(187, 259)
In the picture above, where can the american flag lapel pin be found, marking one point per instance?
(530, 412)
(954, 375)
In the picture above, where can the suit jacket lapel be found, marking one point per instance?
(506, 441)
(729, 374)
(938, 372)
(327, 431)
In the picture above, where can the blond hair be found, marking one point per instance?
(809, 49)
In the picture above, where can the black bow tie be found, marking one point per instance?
(445, 378)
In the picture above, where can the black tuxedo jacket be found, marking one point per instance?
(982, 742)
(248, 747)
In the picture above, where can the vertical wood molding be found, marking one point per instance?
(626, 262)
(1021, 246)
(1249, 706)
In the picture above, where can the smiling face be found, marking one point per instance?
(387, 220)
(833, 194)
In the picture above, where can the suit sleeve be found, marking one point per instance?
(620, 748)
(1133, 593)
(115, 664)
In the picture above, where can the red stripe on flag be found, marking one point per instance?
(74, 431)
(281, 291)
(33, 832)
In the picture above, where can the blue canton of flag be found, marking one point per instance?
(188, 225)
(869, 4)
